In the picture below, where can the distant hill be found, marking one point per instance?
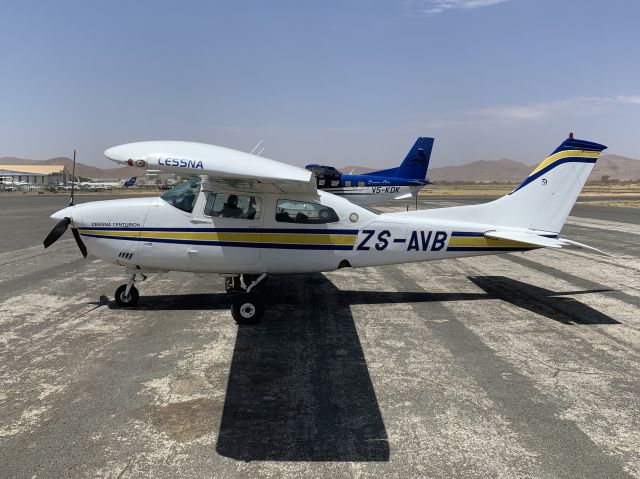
(614, 167)
(482, 171)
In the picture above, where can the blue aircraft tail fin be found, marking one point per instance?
(416, 163)
(130, 182)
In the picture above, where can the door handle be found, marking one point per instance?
(192, 251)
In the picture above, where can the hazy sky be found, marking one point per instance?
(334, 82)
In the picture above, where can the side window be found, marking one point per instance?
(293, 211)
(360, 184)
(320, 181)
(335, 182)
(347, 183)
(223, 205)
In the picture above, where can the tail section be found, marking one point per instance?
(415, 164)
(130, 182)
(542, 201)
(545, 198)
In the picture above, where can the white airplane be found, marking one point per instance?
(247, 216)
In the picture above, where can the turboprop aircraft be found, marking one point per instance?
(397, 183)
(245, 216)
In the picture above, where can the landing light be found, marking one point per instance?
(138, 163)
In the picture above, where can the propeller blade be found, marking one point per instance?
(76, 235)
(57, 231)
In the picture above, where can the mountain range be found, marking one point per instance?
(612, 167)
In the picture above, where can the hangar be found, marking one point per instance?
(37, 175)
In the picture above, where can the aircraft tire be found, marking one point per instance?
(247, 308)
(126, 301)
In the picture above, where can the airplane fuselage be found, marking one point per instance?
(134, 233)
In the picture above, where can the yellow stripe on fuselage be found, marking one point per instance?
(248, 237)
(486, 242)
(565, 154)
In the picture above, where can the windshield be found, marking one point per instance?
(184, 195)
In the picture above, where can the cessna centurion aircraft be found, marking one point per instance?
(247, 216)
(397, 183)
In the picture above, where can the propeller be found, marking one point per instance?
(81, 246)
(59, 229)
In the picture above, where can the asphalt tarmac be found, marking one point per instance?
(517, 365)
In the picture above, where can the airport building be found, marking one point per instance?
(34, 175)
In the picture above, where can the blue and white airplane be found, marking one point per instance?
(397, 183)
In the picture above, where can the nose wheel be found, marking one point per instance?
(124, 299)
(127, 295)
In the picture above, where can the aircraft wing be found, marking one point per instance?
(531, 239)
(223, 166)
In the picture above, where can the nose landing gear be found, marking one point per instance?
(127, 295)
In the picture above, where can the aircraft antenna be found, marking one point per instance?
(260, 152)
(256, 147)
(73, 178)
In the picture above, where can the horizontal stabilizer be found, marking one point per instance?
(532, 239)
(575, 245)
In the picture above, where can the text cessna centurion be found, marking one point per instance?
(245, 216)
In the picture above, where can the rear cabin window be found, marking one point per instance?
(293, 211)
(360, 184)
(347, 183)
(223, 205)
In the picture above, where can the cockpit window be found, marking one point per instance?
(225, 205)
(184, 195)
(293, 211)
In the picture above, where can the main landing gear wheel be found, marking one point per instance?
(125, 300)
(247, 308)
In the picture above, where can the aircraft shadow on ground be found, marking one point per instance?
(551, 304)
(299, 388)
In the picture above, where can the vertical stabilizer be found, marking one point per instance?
(415, 164)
